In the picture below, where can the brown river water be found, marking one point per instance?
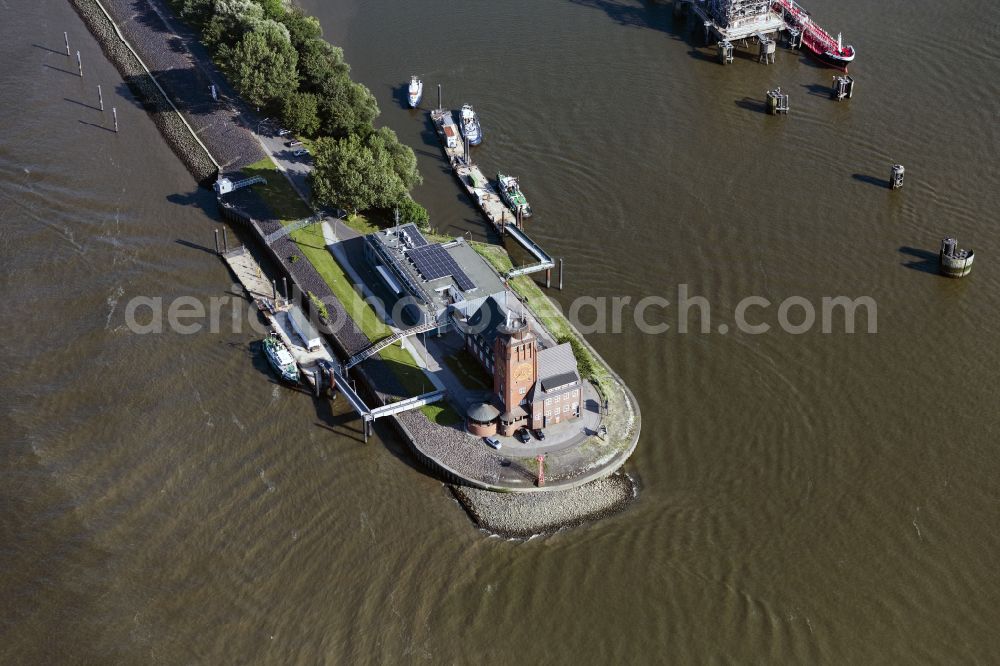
(814, 498)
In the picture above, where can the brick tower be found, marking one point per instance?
(516, 368)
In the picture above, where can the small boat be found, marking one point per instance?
(471, 129)
(818, 41)
(512, 195)
(415, 91)
(281, 359)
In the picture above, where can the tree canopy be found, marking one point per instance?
(275, 56)
(262, 64)
(360, 172)
(299, 113)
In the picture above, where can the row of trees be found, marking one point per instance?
(276, 57)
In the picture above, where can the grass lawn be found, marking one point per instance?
(285, 202)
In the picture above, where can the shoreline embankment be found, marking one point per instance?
(176, 132)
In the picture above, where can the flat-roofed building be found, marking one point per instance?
(430, 279)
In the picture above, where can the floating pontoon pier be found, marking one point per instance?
(486, 197)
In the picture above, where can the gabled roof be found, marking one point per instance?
(554, 382)
(556, 368)
(485, 321)
(556, 361)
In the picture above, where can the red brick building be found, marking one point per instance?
(534, 387)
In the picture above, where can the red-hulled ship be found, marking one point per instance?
(819, 42)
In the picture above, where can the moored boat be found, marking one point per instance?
(415, 92)
(816, 40)
(510, 192)
(469, 122)
(280, 359)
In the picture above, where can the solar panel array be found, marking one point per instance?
(433, 262)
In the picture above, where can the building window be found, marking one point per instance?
(522, 390)
(566, 408)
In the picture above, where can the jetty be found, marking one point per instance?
(485, 196)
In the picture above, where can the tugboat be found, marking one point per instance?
(512, 195)
(415, 91)
(820, 43)
(470, 125)
(281, 359)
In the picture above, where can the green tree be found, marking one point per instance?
(262, 64)
(302, 28)
(401, 158)
(345, 107)
(411, 211)
(230, 21)
(273, 9)
(360, 172)
(349, 174)
(320, 61)
(196, 12)
(299, 113)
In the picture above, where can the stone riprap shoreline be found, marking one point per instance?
(184, 71)
(519, 516)
(172, 128)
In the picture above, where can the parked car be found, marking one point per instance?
(492, 442)
(300, 152)
(523, 436)
(539, 434)
(284, 132)
(293, 143)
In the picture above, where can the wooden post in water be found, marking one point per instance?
(439, 98)
(560, 273)
(79, 64)
(217, 241)
(284, 289)
(66, 37)
(100, 97)
(114, 112)
(274, 290)
(225, 240)
(548, 278)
